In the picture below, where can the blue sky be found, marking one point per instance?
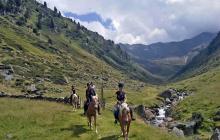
(143, 21)
(91, 17)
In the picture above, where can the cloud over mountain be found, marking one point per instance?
(144, 21)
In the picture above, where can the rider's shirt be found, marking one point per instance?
(120, 96)
(89, 93)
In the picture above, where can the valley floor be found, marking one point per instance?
(25, 119)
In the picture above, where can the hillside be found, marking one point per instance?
(165, 59)
(208, 59)
(41, 44)
(205, 100)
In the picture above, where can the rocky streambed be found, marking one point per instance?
(161, 115)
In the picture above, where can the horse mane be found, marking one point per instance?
(124, 106)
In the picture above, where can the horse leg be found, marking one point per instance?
(95, 124)
(128, 127)
(90, 122)
(122, 129)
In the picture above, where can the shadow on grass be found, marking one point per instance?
(76, 129)
(113, 137)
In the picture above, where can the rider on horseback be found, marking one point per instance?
(90, 92)
(73, 92)
(121, 98)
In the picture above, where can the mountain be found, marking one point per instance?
(39, 43)
(165, 59)
(207, 59)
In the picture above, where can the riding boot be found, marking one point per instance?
(132, 114)
(116, 118)
(99, 110)
(85, 108)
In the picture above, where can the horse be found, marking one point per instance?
(75, 101)
(124, 118)
(92, 112)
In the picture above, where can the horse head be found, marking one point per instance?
(125, 112)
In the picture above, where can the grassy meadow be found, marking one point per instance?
(35, 120)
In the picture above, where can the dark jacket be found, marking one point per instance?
(89, 93)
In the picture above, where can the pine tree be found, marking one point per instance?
(45, 4)
(59, 14)
(10, 6)
(52, 25)
(2, 7)
(27, 14)
(55, 10)
(18, 3)
(39, 21)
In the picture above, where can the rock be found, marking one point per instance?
(62, 80)
(167, 101)
(9, 136)
(148, 115)
(216, 135)
(168, 119)
(140, 110)
(217, 116)
(198, 119)
(163, 124)
(166, 94)
(2, 94)
(178, 132)
(168, 111)
(190, 128)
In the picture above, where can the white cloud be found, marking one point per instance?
(148, 21)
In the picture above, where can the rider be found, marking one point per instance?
(73, 91)
(89, 93)
(121, 97)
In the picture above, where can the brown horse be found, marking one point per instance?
(124, 119)
(75, 101)
(92, 112)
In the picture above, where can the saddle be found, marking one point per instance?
(74, 95)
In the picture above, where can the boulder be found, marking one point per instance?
(167, 101)
(2, 94)
(168, 119)
(215, 135)
(198, 119)
(190, 128)
(166, 94)
(178, 132)
(163, 125)
(148, 115)
(217, 116)
(140, 110)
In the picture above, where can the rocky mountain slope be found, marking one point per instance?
(41, 44)
(165, 59)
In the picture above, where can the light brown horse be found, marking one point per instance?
(92, 112)
(75, 101)
(124, 119)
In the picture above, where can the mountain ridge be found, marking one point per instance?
(165, 59)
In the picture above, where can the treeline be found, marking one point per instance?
(10, 6)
